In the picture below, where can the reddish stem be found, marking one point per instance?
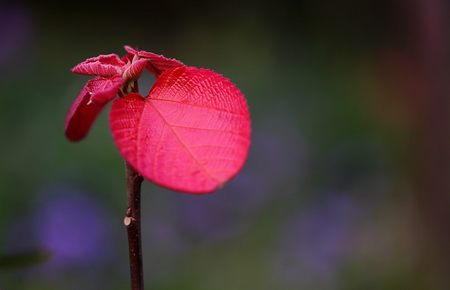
(133, 223)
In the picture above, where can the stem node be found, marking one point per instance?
(132, 221)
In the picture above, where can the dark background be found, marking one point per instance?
(347, 183)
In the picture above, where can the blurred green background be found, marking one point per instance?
(347, 185)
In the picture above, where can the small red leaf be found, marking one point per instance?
(157, 63)
(104, 90)
(191, 134)
(134, 69)
(91, 100)
(102, 65)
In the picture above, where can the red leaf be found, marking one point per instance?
(157, 63)
(134, 69)
(102, 65)
(191, 134)
(104, 90)
(91, 100)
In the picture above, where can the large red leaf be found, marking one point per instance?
(191, 134)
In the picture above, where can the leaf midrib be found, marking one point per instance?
(205, 170)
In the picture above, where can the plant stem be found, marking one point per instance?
(132, 221)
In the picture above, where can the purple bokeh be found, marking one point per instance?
(224, 214)
(315, 243)
(72, 226)
(279, 155)
(163, 235)
(15, 32)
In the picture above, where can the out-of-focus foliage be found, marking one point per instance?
(327, 199)
(22, 260)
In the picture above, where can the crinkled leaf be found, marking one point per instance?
(102, 65)
(104, 90)
(191, 134)
(157, 63)
(91, 100)
(134, 70)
